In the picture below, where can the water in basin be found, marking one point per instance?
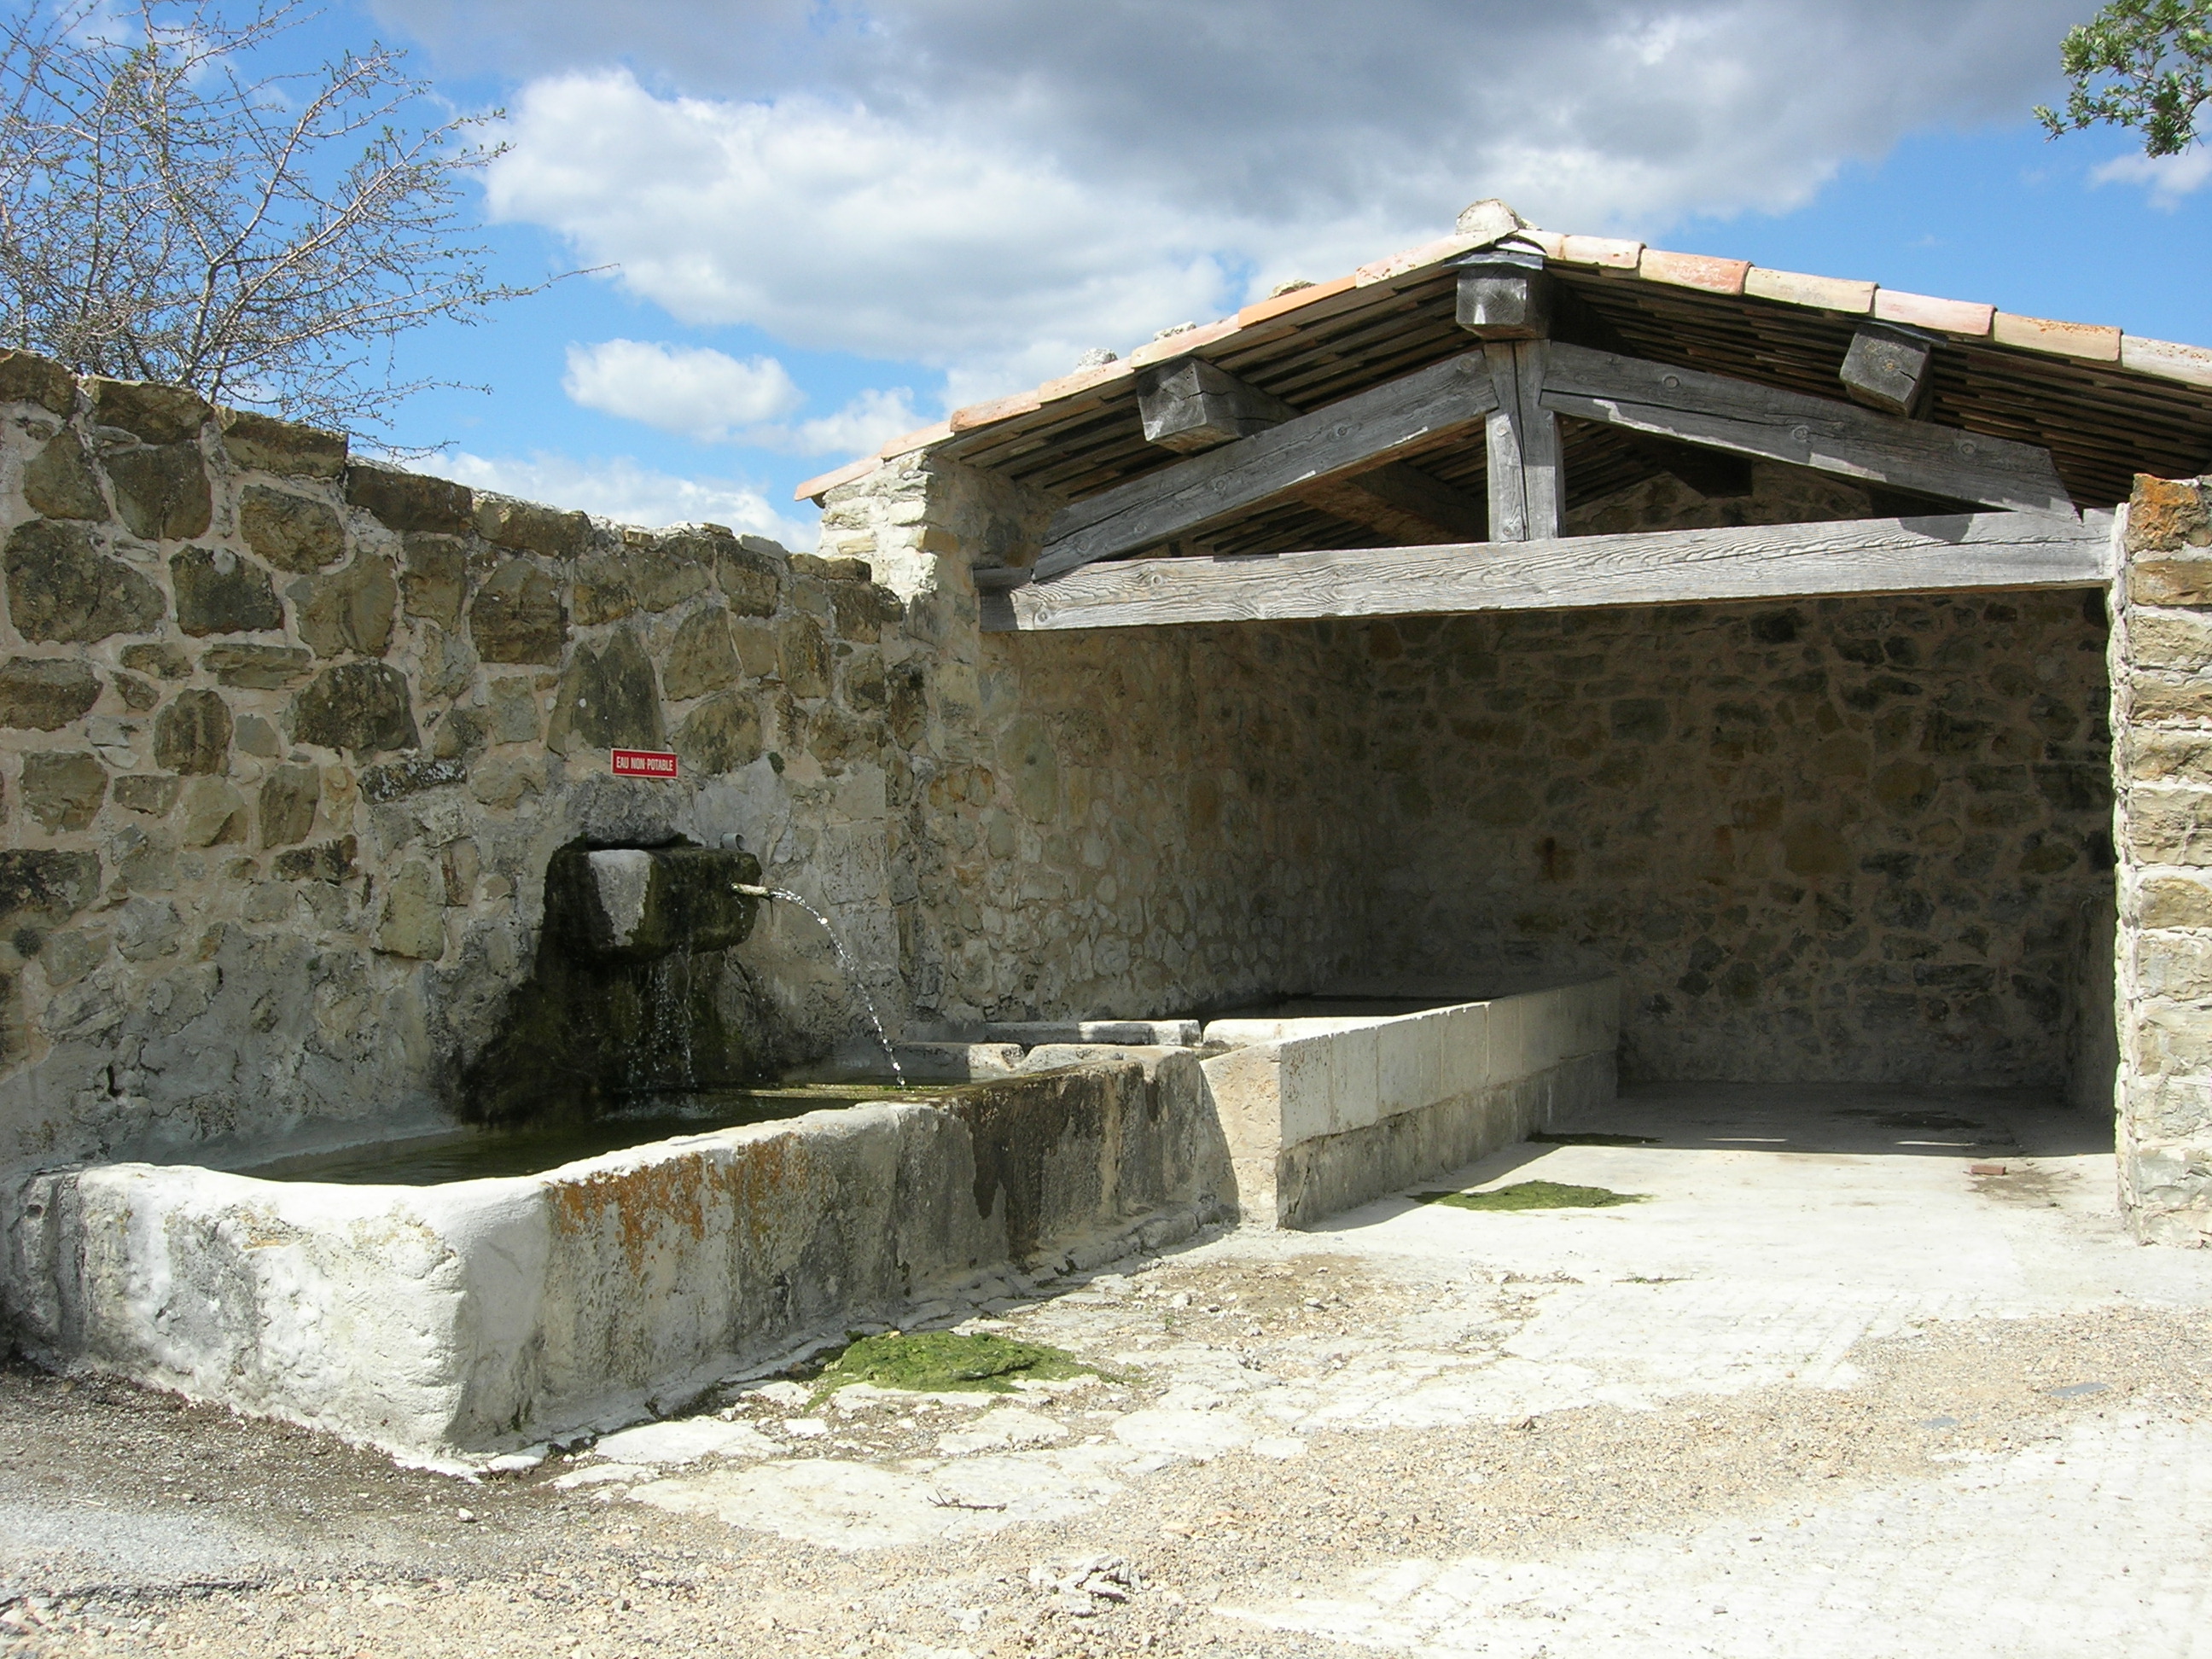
(471, 1154)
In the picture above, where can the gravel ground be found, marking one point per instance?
(281, 1542)
(1316, 1443)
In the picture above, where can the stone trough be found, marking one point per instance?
(476, 1316)
(470, 1318)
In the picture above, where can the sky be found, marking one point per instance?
(805, 227)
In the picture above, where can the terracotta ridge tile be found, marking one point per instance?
(2098, 342)
(1261, 311)
(997, 409)
(1967, 317)
(2169, 360)
(1098, 374)
(823, 483)
(1795, 288)
(1179, 345)
(1413, 258)
(921, 438)
(1610, 252)
(1698, 270)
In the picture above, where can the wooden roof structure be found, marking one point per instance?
(1445, 403)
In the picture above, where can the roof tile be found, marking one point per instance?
(1177, 345)
(1925, 310)
(1607, 252)
(1793, 287)
(1260, 310)
(1083, 380)
(921, 438)
(1698, 270)
(976, 415)
(1414, 259)
(2191, 365)
(822, 485)
(2095, 341)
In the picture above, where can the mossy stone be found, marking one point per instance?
(296, 534)
(219, 591)
(60, 484)
(162, 491)
(62, 590)
(44, 693)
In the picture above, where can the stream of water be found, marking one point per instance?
(852, 970)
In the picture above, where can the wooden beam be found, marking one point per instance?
(1824, 434)
(1886, 368)
(1400, 500)
(1354, 434)
(1523, 438)
(1194, 405)
(1963, 553)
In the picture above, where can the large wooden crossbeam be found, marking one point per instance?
(1963, 553)
(1826, 434)
(1353, 435)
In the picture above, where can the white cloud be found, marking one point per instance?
(709, 395)
(829, 226)
(629, 493)
(2168, 177)
(988, 187)
(863, 424)
(692, 390)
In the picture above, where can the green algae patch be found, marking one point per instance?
(938, 1362)
(1589, 1138)
(1534, 1196)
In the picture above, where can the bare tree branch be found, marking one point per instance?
(170, 211)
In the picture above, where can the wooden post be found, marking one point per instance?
(1524, 444)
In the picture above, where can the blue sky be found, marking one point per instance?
(850, 218)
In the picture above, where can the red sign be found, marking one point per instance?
(643, 763)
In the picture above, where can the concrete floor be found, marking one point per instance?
(1826, 1390)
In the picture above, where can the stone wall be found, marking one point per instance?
(286, 740)
(1840, 840)
(2161, 662)
(1126, 823)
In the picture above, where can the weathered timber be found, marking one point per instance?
(1505, 302)
(1400, 500)
(1523, 438)
(1355, 435)
(1886, 368)
(1824, 434)
(1964, 553)
(1194, 405)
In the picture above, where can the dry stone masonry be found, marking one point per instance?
(2162, 762)
(288, 740)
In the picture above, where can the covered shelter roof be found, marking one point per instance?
(2088, 403)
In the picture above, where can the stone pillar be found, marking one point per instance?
(2161, 667)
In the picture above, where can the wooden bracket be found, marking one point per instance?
(1888, 367)
(1193, 404)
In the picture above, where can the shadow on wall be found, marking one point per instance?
(637, 993)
